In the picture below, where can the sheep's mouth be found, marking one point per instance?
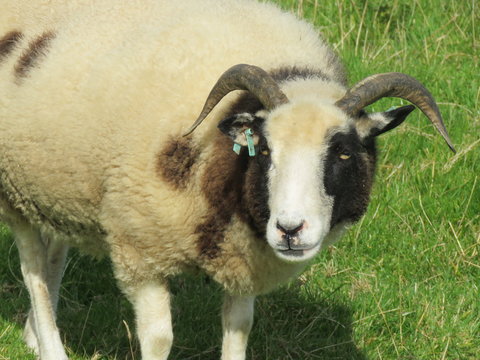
(293, 252)
(296, 255)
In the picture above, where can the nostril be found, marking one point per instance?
(290, 230)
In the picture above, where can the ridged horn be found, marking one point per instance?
(243, 77)
(393, 84)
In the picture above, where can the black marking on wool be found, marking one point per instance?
(233, 184)
(8, 43)
(289, 73)
(175, 163)
(222, 186)
(349, 181)
(30, 58)
(255, 211)
(246, 103)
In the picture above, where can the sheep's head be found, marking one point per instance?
(313, 160)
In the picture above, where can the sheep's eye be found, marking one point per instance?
(265, 152)
(345, 156)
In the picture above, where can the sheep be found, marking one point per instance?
(99, 151)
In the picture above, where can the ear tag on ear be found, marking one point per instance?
(251, 146)
(237, 148)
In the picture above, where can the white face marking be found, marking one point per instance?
(298, 201)
(300, 209)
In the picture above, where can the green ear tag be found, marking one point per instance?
(237, 148)
(251, 146)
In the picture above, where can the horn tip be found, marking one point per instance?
(188, 132)
(450, 145)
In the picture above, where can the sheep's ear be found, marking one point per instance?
(236, 125)
(374, 124)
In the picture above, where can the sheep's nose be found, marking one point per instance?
(290, 230)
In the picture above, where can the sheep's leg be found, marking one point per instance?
(151, 303)
(237, 320)
(56, 256)
(34, 263)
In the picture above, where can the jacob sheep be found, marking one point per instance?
(98, 150)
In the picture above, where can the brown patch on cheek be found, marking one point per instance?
(36, 49)
(8, 43)
(222, 187)
(175, 163)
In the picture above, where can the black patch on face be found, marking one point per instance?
(349, 171)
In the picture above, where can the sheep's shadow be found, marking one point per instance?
(287, 325)
(96, 321)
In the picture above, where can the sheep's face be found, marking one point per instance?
(313, 167)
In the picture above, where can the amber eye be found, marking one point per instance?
(265, 152)
(345, 156)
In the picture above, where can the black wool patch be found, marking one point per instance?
(255, 190)
(289, 73)
(8, 43)
(30, 58)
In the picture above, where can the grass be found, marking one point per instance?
(403, 284)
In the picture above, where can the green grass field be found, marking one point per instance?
(403, 284)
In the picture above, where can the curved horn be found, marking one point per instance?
(393, 84)
(243, 77)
